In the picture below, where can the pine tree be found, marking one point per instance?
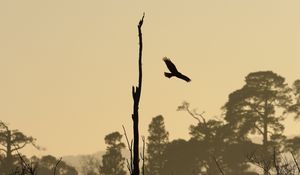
(257, 108)
(157, 142)
(12, 141)
(112, 160)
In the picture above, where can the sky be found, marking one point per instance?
(67, 66)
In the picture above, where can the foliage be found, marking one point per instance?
(259, 107)
(11, 141)
(112, 160)
(46, 165)
(255, 108)
(216, 143)
(295, 108)
(89, 165)
(156, 145)
(182, 158)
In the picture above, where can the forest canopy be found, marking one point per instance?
(227, 144)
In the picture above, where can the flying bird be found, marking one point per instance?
(173, 71)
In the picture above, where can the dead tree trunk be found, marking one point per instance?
(136, 94)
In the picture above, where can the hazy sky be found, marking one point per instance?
(67, 66)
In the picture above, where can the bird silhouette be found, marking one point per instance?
(173, 71)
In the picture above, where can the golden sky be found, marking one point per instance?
(67, 66)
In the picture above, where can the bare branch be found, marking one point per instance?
(275, 162)
(2, 124)
(27, 168)
(125, 134)
(259, 163)
(17, 147)
(54, 171)
(218, 165)
(143, 156)
(129, 166)
(297, 165)
(194, 114)
(258, 129)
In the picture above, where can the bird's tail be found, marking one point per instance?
(169, 75)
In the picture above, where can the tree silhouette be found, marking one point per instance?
(89, 165)
(219, 151)
(49, 165)
(156, 145)
(136, 95)
(295, 108)
(255, 109)
(46, 165)
(206, 133)
(12, 141)
(113, 161)
(183, 157)
(25, 167)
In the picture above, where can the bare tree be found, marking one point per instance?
(136, 94)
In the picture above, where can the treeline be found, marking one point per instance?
(227, 145)
(12, 162)
(223, 145)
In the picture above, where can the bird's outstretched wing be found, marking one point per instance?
(183, 77)
(170, 65)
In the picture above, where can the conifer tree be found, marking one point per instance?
(112, 160)
(157, 142)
